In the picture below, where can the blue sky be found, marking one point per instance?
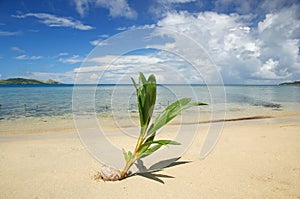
(247, 41)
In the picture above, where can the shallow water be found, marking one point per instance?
(26, 101)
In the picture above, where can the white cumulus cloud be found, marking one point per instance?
(244, 52)
(268, 70)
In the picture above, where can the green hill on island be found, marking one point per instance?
(290, 83)
(27, 81)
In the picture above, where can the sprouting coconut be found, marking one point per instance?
(146, 143)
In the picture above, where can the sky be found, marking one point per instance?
(182, 41)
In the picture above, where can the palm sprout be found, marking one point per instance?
(146, 143)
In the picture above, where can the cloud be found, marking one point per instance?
(26, 57)
(160, 7)
(117, 8)
(118, 69)
(63, 54)
(17, 49)
(9, 33)
(117, 63)
(60, 55)
(82, 6)
(279, 40)
(244, 52)
(268, 71)
(98, 42)
(71, 60)
(242, 7)
(276, 4)
(255, 7)
(245, 49)
(134, 27)
(121, 28)
(55, 21)
(126, 60)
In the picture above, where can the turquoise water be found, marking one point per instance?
(18, 102)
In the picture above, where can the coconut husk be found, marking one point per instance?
(108, 173)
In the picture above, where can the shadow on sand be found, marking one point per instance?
(151, 172)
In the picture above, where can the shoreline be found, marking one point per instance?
(72, 133)
(66, 124)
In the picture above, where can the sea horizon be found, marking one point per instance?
(130, 84)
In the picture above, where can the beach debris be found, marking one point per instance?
(146, 143)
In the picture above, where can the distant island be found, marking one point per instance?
(27, 81)
(290, 83)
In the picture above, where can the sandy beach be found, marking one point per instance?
(252, 159)
(161, 99)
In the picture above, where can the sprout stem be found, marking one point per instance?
(128, 165)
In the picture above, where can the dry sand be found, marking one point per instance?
(253, 159)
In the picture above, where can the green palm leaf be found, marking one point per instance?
(146, 98)
(170, 113)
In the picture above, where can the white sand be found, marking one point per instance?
(253, 159)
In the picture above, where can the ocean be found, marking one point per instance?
(18, 102)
